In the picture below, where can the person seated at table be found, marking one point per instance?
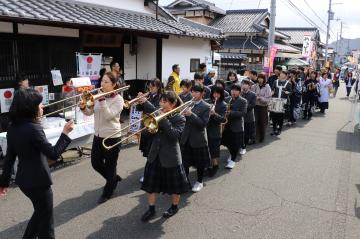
(26, 141)
(106, 113)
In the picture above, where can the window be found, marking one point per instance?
(194, 65)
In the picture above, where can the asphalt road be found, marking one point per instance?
(304, 184)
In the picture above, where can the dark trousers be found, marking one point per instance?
(348, 91)
(309, 102)
(294, 102)
(261, 119)
(41, 224)
(278, 121)
(104, 162)
(249, 133)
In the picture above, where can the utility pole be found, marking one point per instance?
(271, 39)
(330, 17)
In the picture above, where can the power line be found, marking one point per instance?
(289, 4)
(259, 4)
(325, 24)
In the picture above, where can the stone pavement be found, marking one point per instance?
(304, 184)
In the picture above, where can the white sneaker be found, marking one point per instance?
(197, 187)
(230, 165)
(229, 158)
(142, 179)
(243, 151)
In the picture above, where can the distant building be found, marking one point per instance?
(200, 11)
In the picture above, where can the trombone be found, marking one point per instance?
(150, 122)
(86, 96)
(135, 101)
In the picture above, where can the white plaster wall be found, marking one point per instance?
(146, 58)
(129, 64)
(6, 27)
(47, 31)
(133, 5)
(179, 51)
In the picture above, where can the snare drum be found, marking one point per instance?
(277, 105)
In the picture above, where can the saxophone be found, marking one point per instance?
(228, 109)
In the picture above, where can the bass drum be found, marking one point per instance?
(277, 105)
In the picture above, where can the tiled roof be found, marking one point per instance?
(199, 4)
(297, 34)
(240, 21)
(202, 27)
(256, 43)
(232, 55)
(85, 14)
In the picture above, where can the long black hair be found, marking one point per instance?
(157, 83)
(230, 74)
(25, 105)
(217, 89)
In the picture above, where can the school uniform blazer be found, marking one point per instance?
(213, 127)
(165, 144)
(153, 99)
(195, 127)
(185, 97)
(251, 103)
(27, 141)
(207, 92)
(238, 109)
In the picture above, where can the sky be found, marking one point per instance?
(346, 11)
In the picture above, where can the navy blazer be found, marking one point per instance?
(238, 109)
(27, 141)
(213, 127)
(165, 144)
(195, 127)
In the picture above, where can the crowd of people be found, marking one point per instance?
(233, 112)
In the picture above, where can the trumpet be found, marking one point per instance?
(135, 101)
(86, 97)
(150, 122)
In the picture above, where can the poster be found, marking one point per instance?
(44, 91)
(135, 117)
(89, 65)
(307, 46)
(56, 77)
(6, 98)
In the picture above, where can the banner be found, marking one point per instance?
(135, 117)
(89, 65)
(307, 46)
(6, 98)
(56, 77)
(44, 91)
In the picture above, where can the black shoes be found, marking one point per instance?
(103, 199)
(213, 171)
(170, 212)
(149, 214)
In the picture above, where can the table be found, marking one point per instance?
(81, 134)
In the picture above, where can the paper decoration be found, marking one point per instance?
(44, 91)
(56, 77)
(6, 98)
(135, 116)
(89, 65)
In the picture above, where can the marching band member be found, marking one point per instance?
(309, 94)
(249, 118)
(221, 83)
(281, 89)
(199, 80)
(185, 95)
(217, 117)
(194, 145)
(26, 141)
(230, 81)
(233, 134)
(263, 97)
(106, 113)
(164, 172)
(155, 91)
(324, 85)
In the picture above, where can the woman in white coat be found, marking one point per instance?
(324, 87)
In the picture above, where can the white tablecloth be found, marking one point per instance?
(81, 134)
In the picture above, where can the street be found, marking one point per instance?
(303, 184)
